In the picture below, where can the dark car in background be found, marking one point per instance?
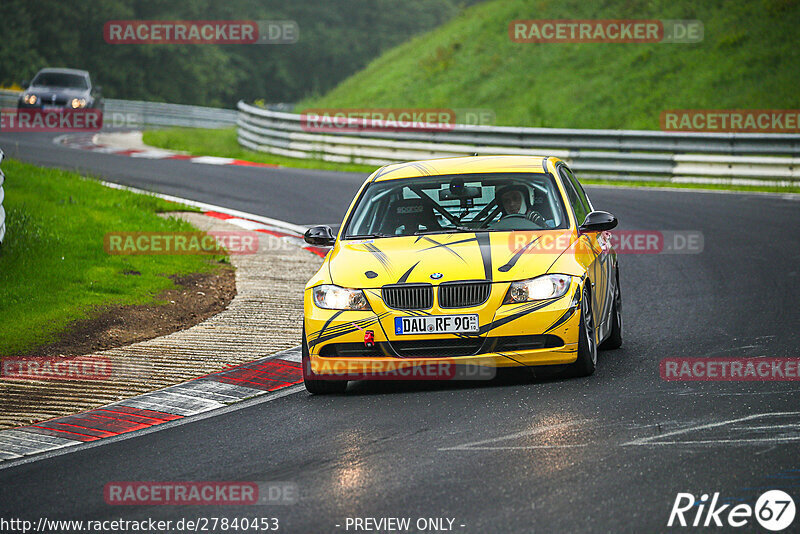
(61, 88)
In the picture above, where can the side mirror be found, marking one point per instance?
(98, 89)
(320, 236)
(598, 221)
(25, 83)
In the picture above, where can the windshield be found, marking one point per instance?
(60, 79)
(457, 203)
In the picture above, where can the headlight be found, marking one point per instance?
(549, 286)
(339, 298)
(78, 103)
(29, 99)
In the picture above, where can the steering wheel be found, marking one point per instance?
(532, 216)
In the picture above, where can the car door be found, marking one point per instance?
(599, 249)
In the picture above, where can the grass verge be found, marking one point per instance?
(53, 267)
(748, 59)
(223, 143)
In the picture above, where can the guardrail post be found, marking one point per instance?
(2, 197)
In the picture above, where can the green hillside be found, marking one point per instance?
(749, 58)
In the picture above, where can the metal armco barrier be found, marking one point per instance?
(132, 113)
(2, 197)
(600, 154)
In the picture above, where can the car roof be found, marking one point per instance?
(65, 71)
(462, 165)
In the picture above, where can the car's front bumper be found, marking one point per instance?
(528, 334)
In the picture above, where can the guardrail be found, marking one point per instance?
(139, 113)
(2, 196)
(134, 112)
(600, 154)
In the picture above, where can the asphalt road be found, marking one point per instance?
(607, 453)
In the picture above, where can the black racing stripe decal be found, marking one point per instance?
(517, 255)
(574, 305)
(523, 311)
(328, 337)
(445, 246)
(379, 255)
(563, 319)
(328, 322)
(386, 170)
(486, 253)
(405, 276)
(347, 328)
(423, 169)
(337, 330)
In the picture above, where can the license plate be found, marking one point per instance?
(437, 324)
(51, 108)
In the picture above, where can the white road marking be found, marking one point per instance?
(718, 441)
(516, 447)
(212, 160)
(651, 440)
(476, 445)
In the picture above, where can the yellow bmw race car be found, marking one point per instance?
(459, 263)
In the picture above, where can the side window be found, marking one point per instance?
(579, 189)
(581, 209)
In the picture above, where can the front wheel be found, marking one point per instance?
(314, 385)
(587, 346)
(614, 340)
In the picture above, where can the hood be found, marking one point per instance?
(497, 256)
(44, 92)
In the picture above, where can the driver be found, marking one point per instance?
(513, 201)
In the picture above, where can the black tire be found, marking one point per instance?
(614, 339)
(587, 347)
(314, 385)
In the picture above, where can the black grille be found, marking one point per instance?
(408, 296)
(354, 350)
(463, 294)
(55, 100)
(425, 348)
(442, 348)
(438, 348)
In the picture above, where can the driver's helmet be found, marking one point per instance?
(513, 190)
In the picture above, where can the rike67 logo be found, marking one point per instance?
(774, 510)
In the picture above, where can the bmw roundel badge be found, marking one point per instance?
(436, 276)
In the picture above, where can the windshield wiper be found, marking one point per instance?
(455, 230)
(368, 236)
